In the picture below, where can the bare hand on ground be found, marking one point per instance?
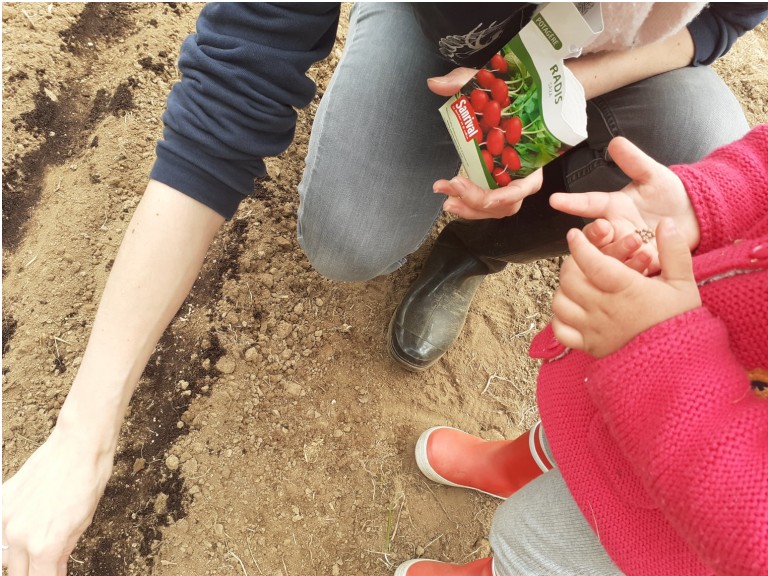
(49, 503)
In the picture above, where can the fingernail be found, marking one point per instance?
(437, 79)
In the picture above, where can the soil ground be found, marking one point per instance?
(271, 434)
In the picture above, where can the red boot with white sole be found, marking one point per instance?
(420, 567)
(499, 468)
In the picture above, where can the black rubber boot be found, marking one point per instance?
(433, 311)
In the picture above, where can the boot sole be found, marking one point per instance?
(396, 354)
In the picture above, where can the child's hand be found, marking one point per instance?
(602, 304)
(654, 193)
(630, 249)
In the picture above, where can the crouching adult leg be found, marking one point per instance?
(377, 146)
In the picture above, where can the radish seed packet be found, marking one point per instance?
(524, 108)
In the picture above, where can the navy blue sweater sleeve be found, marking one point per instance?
(243, 74)
(720, 24)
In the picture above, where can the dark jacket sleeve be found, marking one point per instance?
(720, 24)
(243, 74)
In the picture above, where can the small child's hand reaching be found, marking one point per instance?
(654, 193)
(602, 303)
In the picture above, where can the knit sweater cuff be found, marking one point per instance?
(729, 188)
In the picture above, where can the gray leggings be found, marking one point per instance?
(378, 143)
(540, 530)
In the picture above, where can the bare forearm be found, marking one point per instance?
(603, 72)
(156, 265)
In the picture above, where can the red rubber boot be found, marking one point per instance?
(421, 567)
(499, 468)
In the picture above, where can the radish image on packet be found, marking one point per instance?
(524, 108)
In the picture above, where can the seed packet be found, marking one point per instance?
(524, 108)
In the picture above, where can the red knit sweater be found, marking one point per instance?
(664, 444)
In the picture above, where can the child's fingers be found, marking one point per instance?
(600, 232)
(585, 204)
(674, 255)
(568, 311)
(624, 248)
(633, 162)
(575, 285)
(568, 336)
(604, 272)
(641, 261)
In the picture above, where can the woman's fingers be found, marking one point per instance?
(468, 200)
(452, 82)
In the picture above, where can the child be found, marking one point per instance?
(653, 389)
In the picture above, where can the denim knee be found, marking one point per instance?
(677, 118)
(337, 258)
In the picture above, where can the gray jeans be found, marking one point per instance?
(378, 143)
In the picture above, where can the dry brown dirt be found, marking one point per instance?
(271, 434)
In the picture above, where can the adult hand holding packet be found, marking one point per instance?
(524, 108)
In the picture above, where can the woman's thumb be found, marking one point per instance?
(452, 82)
(674, 254)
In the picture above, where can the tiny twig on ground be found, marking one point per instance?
(495, 376)
(248, 542)
(397, 520)
(439, 503)
(428, 544)
(29, 19)
(475, 551)
(236, 557)
(491, 378)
